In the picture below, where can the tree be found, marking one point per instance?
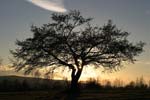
(70, 40)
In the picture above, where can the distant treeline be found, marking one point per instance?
(139, 83)
(29, 84)
(36, 84)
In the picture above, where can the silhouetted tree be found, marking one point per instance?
(118, 83)
(71, 41)
(140, 83)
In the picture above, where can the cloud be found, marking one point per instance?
(51, 5)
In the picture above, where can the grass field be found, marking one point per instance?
(93, 94)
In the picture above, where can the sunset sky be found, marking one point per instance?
(16, 17)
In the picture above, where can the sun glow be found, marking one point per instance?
(88, 73)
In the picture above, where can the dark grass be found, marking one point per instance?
(85, 94)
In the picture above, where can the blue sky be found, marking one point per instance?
(16, 17)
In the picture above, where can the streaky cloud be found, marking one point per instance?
(51, 5)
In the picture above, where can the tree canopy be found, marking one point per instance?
(70, 40)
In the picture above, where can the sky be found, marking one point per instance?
(16, 17)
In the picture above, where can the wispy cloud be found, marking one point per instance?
(51, 5)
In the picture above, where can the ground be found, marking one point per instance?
(93, 94)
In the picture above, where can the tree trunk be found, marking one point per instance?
(74, 81)
(74, 85)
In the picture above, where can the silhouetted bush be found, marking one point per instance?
(131, 85)
(108, 85)
(92, 83)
